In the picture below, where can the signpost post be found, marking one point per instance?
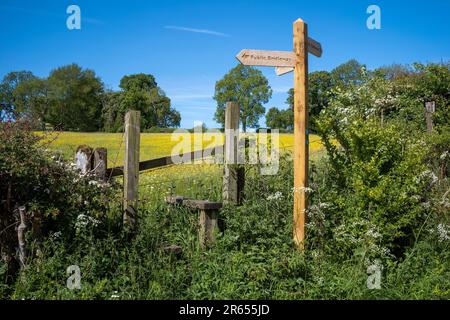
(285, 62)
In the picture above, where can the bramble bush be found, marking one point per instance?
(56, 197)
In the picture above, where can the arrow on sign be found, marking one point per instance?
(267, 58)
(284, 61)
(283, 70)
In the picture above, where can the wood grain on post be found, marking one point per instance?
(21, 229)
(232, 185)
(83, 158)
(100, 163)
(208, 226)
(300, 131)
(131, 168)
(429, 121)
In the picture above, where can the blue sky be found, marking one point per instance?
(189, 44)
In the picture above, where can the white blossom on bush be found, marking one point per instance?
(442, 232)
(276, 196)
(84, 221)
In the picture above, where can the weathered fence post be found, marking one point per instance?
(131, 168)
(21, 229)
(100, 163)
(429, 109)
(208, 226)
(233, 178)
(83, 158)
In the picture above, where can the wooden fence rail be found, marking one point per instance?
(165, 161)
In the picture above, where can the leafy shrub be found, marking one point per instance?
(53, 192)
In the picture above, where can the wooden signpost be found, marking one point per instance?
(297, 61)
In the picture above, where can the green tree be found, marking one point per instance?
(140, 82)
(8, 85)
(249, 88)
(31, 100)
(74, 98)
(280, 119)
(139, 92)
(320, 84)
(350, 72)
(393, 72)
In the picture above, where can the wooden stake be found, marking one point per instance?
(208, 226)
(100, 163)
(21, 237)
(300, 131)
(429, 121)
(233, 178)
(83, 159)
(131, 168)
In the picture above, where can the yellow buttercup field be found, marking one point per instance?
(153, 145)
(192, 180)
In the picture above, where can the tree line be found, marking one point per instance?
(325, 85)
(75, 99)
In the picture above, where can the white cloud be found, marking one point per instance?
(206, 31)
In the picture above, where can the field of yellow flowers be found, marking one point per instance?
(153, 145)
(201, 181)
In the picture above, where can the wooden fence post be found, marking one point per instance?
(233, 178)
(83, 158)
(21, 229)
(100, 163)
(430, 107)
(131, 169)
(208, 226)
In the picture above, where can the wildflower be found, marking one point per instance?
(302, 189)
(324, 205)
(84, 220)
(427, 174)
(443, 233)
(56, 235)
(372, 233)
(276, 196)
(94, 183)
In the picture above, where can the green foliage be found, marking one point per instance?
(249, 88)
(253, 259)
(74, 99)
(280, 119)
(53, 193)
(139, 92)
(350, 72)
(379, 196)
(322, 83)
(138, 82)
(380, 164)
(8, 86)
